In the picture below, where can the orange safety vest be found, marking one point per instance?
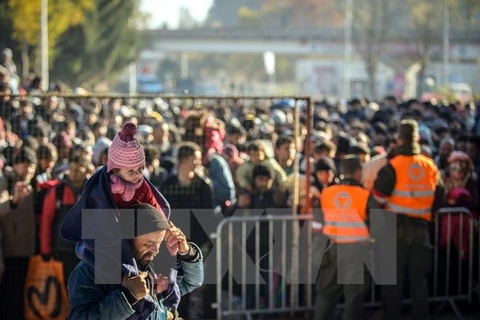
(344, 210)
(414, 192)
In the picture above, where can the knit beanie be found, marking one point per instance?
(152, 219)
(125, 151)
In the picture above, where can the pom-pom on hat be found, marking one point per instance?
(125, 151)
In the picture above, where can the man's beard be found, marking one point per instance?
(146, 259)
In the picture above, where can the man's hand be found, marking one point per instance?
(22, 190)
(175, 236)
(4, 196)
(136, 285)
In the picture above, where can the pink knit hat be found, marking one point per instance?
(125, 151)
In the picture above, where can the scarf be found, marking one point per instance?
(126, 189)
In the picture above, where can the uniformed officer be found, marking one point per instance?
(345, 217)
(410, 186)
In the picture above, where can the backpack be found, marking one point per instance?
(42, 189)
(59, 191)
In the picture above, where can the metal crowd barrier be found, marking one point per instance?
(231, 236)
(227, 234)
(445, 215)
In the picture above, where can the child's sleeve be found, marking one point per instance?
(150, 197)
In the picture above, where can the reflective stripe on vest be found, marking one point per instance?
(414, 191)
(345, 224)
(404, 210)
(344, 211)
(348, 239)
(407, 194)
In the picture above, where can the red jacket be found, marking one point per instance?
(459, 197)
(49, 212)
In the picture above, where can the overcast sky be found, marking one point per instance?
(167, 10)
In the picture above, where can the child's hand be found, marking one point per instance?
(161, 283)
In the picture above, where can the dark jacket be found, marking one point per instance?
(198, 195)
(159, 177)
(89, 300)
(18, 224)
(270, 199)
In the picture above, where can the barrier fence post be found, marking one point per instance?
(257, 264)
(309, 281)
(295, 228)
(271, 270)
(230, 267)
(218, 241)
(244, 264)
(450, 298)
(284, 264)
(435, 259)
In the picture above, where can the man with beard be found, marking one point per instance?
(140, 295)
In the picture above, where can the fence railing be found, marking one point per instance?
(264, 283)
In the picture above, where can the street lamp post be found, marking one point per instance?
(44, 43)
(347, 63)
(446, 42)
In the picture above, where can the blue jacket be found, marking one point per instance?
(91, 301)
(221, 176)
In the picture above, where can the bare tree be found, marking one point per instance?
(426, 19)
(374, 22)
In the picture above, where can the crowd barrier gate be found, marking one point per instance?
(232, 233)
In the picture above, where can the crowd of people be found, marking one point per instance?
(220, 155)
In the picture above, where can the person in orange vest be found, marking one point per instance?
(410, 186)
(344, 214)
